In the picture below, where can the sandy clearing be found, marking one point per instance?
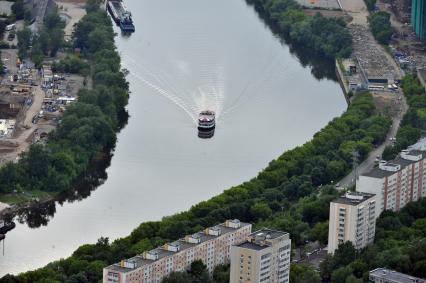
(74, 10)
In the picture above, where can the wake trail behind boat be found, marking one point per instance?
(210, 93)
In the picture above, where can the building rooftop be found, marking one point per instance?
(268, 233)
(405, 158)
(395, 277)
(260, 239)
(376, 172)
(181, 244)
(353, 198)
(420, 145)
(252, 246)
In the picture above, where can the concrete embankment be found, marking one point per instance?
(342, 81)
(3, 206)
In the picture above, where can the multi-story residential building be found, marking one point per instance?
(264, 258)
(383, 275)
(418, 18)
(352, 218)
(396, 182)
(212, 246)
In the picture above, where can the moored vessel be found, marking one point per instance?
(126, 22)
(6, 226)
(120, 15)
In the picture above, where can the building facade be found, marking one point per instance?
(396, 182)
(418, 18)
(212, 246)
(352, 218)
(264, 258)
(383, 275)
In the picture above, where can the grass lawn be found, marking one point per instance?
(20, 198)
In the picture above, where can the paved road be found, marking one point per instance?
(368, 164)
(35, 106)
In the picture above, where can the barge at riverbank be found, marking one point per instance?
(6, 226)
(120, 15)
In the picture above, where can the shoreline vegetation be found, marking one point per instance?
(414, 120)
(328, 37)
(291, 194)
(89, 126)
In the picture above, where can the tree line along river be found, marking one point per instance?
(185, 56)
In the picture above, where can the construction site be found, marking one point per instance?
(31, 104)
(370, 67)
(31, 100)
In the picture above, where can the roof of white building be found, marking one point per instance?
(420, 145)
(161, 252)
(394, 276)
(259, 240)
(353, 198)
(376, 172)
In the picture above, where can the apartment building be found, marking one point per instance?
(264, 257)
(212, 246)
(352, 218)
(383, 275)
(418, 18)
(397, 182)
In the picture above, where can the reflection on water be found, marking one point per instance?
(321, 67)
(39, 214)
(206, 134)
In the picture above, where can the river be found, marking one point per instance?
(184, 57)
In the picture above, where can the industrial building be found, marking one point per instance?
(211, 246)
(264, 257)
(418, 18)
(353, 219)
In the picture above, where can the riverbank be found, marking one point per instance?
(87, 127)
(3, 207)
(326, 36)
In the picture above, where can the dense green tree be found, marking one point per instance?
(260, 210)
(198, 270)
(301, 273)
(345, 253)
(178, 277)
(380, 26)
(320, 232)
(18, 9)
(221, 274)
(371, 4)
(327, 36)
(341, 274)
(24, 42)
(352, 279)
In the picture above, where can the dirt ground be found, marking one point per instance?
(72, 9)
(327, 13)
(388, 104)
(357, 10)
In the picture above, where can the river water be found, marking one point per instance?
(186, 56)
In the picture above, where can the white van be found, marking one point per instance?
(10, 27)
